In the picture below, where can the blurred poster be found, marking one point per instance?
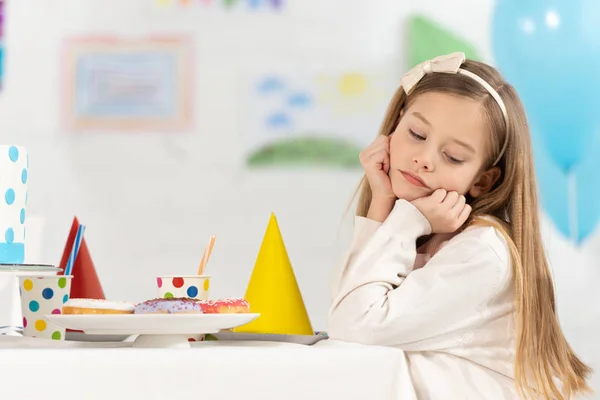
(313, 118)
(117, 84)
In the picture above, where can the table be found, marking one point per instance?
(227, 370)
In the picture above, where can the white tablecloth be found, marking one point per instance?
(38, 369)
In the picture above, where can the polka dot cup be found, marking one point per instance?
(193, 286)
(43, 295)
(14, 164)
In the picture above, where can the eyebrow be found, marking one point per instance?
(463, 144)
(421, 117)
(459, 142)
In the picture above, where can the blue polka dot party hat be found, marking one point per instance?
(14, 165)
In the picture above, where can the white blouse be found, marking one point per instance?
(453, 318)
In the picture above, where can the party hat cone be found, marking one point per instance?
(85, 283)
(273, 291)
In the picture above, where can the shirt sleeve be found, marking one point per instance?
(381, 300)
(364, 228)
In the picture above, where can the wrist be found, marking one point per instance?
(380, 208)
(406, 220)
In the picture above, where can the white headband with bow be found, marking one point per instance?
(450, 64)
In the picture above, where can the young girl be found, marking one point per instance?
(447, 261)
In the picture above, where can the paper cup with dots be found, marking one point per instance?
(43, 295)
(192, 286)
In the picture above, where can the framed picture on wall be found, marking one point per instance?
(127, 84)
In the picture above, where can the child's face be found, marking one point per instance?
(442, 140)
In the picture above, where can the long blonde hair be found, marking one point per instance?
(543, 355)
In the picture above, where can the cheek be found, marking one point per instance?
(459, 181)
(398, 148)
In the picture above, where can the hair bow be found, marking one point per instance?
(449, 63)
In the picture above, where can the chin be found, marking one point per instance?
(407, 193)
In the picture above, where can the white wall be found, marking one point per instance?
(150, 201)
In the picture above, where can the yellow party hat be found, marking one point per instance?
(273, 291)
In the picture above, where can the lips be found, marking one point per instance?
(414, 179)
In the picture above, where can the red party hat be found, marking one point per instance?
(85, 283)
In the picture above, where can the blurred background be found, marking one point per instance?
(159, 123)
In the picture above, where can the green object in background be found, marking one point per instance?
(229, 3)
(427, 39)
(307, 151)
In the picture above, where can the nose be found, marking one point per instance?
(424, 160)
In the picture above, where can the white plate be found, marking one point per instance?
(150, 324)
(84, 337)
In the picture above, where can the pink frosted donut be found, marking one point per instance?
(225, 306)
(168, 306)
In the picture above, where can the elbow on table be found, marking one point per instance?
(363, 330)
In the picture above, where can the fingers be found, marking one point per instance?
(439, 195)
(445, 211)
(451, 199)
(386, 163)
(460, 203)
(463, 215)
(381, 143)
(454, 204)
(377, 153)
(381, 156)
(458, 207)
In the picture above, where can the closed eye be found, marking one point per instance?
(416, 135)
(454, 160)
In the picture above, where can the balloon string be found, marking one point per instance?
(572, 205)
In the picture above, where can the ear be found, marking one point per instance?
(485, 182)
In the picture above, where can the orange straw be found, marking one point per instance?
(206, 255)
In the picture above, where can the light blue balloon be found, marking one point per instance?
(552, 185)
(560, 200)
(588, 191)
(549, 51)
